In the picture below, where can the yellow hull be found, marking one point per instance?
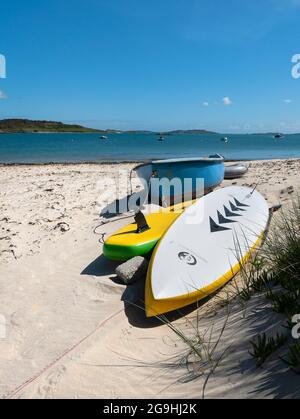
(157, 307)
(126, 243)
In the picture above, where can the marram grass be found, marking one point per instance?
(275, 271)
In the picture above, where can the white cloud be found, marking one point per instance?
(226, 101)
(2, 95)
(205, 104)
(287, 101)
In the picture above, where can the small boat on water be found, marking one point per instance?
(103, 137)
(235, 171)
(161, 138)
(185, 173)
(278, 136)
(225, 139)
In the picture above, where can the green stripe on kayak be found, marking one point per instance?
(123, 253)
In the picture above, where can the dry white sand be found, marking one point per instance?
(68, 332)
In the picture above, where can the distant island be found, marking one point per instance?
(191, 131)
(10, 126)
(267, 133)
(28, 126)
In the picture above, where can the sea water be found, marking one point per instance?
(45, 148)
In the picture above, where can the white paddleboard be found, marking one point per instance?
(205, 248)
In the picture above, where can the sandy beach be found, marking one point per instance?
(70, 328)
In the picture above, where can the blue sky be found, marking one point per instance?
(156, 64)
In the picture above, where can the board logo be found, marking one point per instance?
(187, 258)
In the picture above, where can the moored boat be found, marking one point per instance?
(235, 171)
(177, 180)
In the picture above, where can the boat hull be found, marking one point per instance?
(127, 243)
(235, 171)
(186, 178)
(196, 178)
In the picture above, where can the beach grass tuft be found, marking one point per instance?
(264, 347)
(293, 357)
(284, 302)
(278, 277)
(203, 354)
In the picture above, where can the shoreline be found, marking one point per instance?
(167, 133)
(118, 162)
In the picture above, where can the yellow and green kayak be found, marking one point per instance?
(127, 242)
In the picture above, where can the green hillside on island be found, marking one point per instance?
(30, 126)
(26, 125)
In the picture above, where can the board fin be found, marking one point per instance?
(215, 228)
(223, 220)
(141, 222)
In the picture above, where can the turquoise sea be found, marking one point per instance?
(45, 148)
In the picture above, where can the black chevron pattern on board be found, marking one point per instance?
(239, 204)
(229, 213)
(223, 220)
(215, 228)
(234, 207)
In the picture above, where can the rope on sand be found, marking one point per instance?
(21, 387)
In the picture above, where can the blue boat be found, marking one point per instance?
(189, 171)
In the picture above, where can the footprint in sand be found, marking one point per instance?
(286, 193)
